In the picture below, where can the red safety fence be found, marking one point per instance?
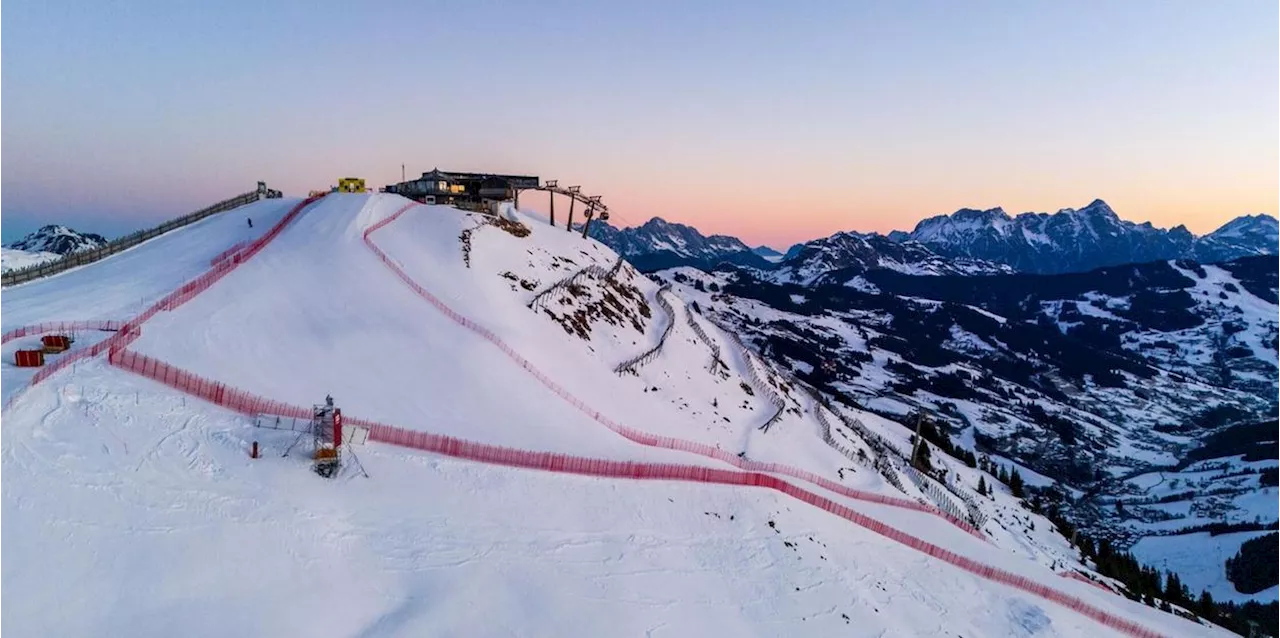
(640, 436)
(1085, 579)
(189, 290)
(71, 356)
(201, 387)
(250, 404)
(60, 326)
(226, 254)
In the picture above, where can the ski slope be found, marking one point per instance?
(129, 496)
(123, 284)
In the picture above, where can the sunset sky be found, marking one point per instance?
(776, 122)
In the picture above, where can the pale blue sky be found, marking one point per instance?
(774, 121)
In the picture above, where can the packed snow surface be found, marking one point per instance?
(1200, 561)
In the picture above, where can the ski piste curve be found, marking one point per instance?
(223, 395)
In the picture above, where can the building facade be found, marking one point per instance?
(468, 190)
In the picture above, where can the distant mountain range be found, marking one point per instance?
(660, 244)
(837, 258)
(1073, 240)
(967, 241)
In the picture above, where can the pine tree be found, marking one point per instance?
(923, 461)
(982, 486)
(1086, 545)
(1206, 605)
(1003, 476)
(1174, 591)
(1015, 483)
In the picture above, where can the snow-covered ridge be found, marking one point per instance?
(46, 244)
(1073, 240)
(59, 240)
(658, 235)
(968, 241)
(840, 257)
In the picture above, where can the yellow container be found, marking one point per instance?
(351, 185)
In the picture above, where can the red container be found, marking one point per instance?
(55, 343)
(29, 358)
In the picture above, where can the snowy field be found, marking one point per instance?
(1199, 559)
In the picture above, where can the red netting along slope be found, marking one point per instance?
(251, 404)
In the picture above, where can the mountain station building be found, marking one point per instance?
(465, 190)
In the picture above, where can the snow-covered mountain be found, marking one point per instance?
(611, 442)
(1242, 236)
(844, 255)
(1077, 240)
(59, 240)
(768, 253)
(1067, 241)
(658, 244)
(967, 241)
